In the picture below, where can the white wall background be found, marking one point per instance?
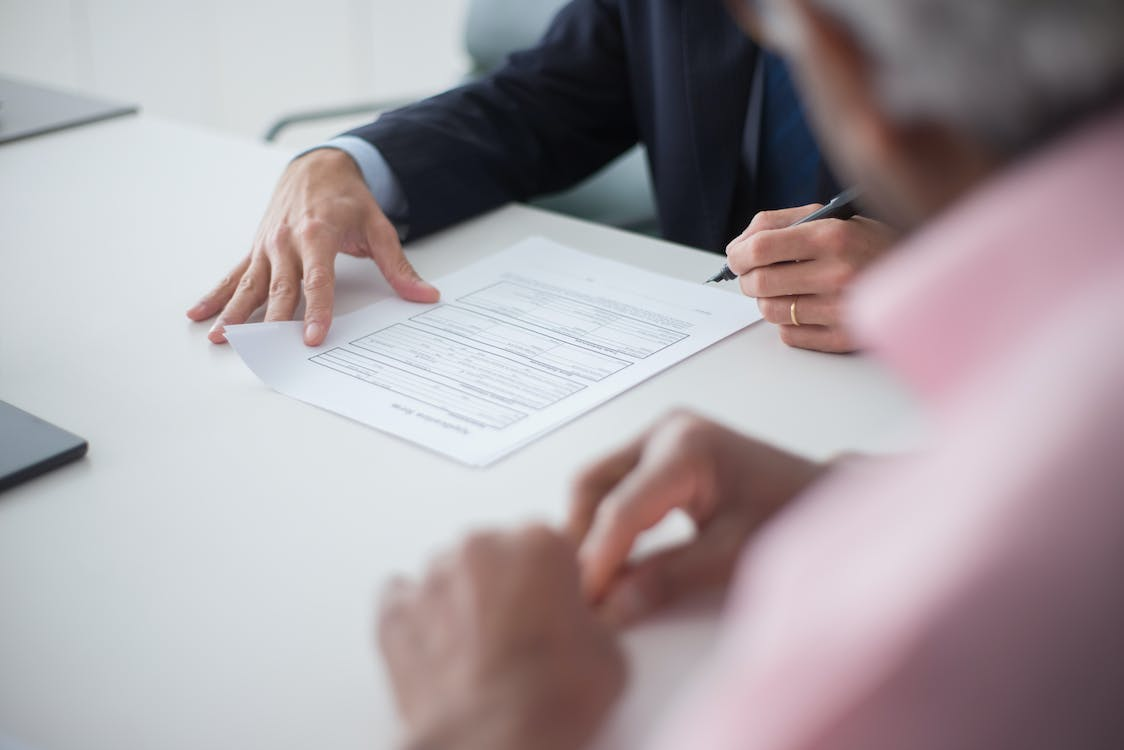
(236, 65)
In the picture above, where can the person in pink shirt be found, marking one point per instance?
(968, 596)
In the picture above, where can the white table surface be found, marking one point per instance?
(206, 577)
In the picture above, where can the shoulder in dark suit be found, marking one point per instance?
(674, 74)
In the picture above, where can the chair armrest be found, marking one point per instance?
(328, 113)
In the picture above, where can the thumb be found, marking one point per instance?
(386, 251)
(640, 501)
(660, 581)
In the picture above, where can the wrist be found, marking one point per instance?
(327, 159)
(326, 173)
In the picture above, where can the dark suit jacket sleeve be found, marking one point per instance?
(551, 116)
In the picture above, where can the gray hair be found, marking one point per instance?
(1006, 72)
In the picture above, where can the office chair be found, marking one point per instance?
(619, 195)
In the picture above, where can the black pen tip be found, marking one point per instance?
(724, 275)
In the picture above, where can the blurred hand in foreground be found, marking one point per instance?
(496, 648)
(728, 484)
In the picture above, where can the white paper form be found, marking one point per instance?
(520, 343)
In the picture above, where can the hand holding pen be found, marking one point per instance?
(805, 298)
(841, 206)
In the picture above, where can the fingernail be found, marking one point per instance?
(217, 334)
(313, 333)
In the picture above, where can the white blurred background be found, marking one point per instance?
(237, 65)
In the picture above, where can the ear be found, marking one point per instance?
(861, 141)
(747, 20)
(836, 77)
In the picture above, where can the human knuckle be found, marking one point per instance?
(735, 261)
(690, 425)
(695, 433)
(758, 281)
(476, 546)
(542, 539)
(281, 288)
(311, 228)
(393, 602)
(840, 275)
(757, 249)
(247, 283)
(770, 309)
(536, 532)
(390, 612)
(678, 419)
(835, 236)
(317, 278)
(764, 219)
(403, 266)
(279, 235)
(438, 571)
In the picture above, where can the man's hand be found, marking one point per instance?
(830, 253)
(497, 649)
(321, 207)
(728, 484)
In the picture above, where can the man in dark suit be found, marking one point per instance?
(725, 136)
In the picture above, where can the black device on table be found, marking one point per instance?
(30, 447)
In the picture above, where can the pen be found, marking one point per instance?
(841, 206)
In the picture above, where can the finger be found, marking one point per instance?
(394, 603)
(669, 576)
(285, 285)
(386, 251)
(811, 309)
(544, 542)
(556, 555)
(249, 296)
(828, 238)
(401, 628)
(480, 550)
(395, 592)
(319, 295)
(640, 501)
(823, 276)
(217, 298)
(594, 483)
(779, 219)
(831, 339)
(318, 245)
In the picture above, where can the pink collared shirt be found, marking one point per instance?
(970, 597)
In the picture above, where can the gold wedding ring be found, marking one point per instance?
(792, 312)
